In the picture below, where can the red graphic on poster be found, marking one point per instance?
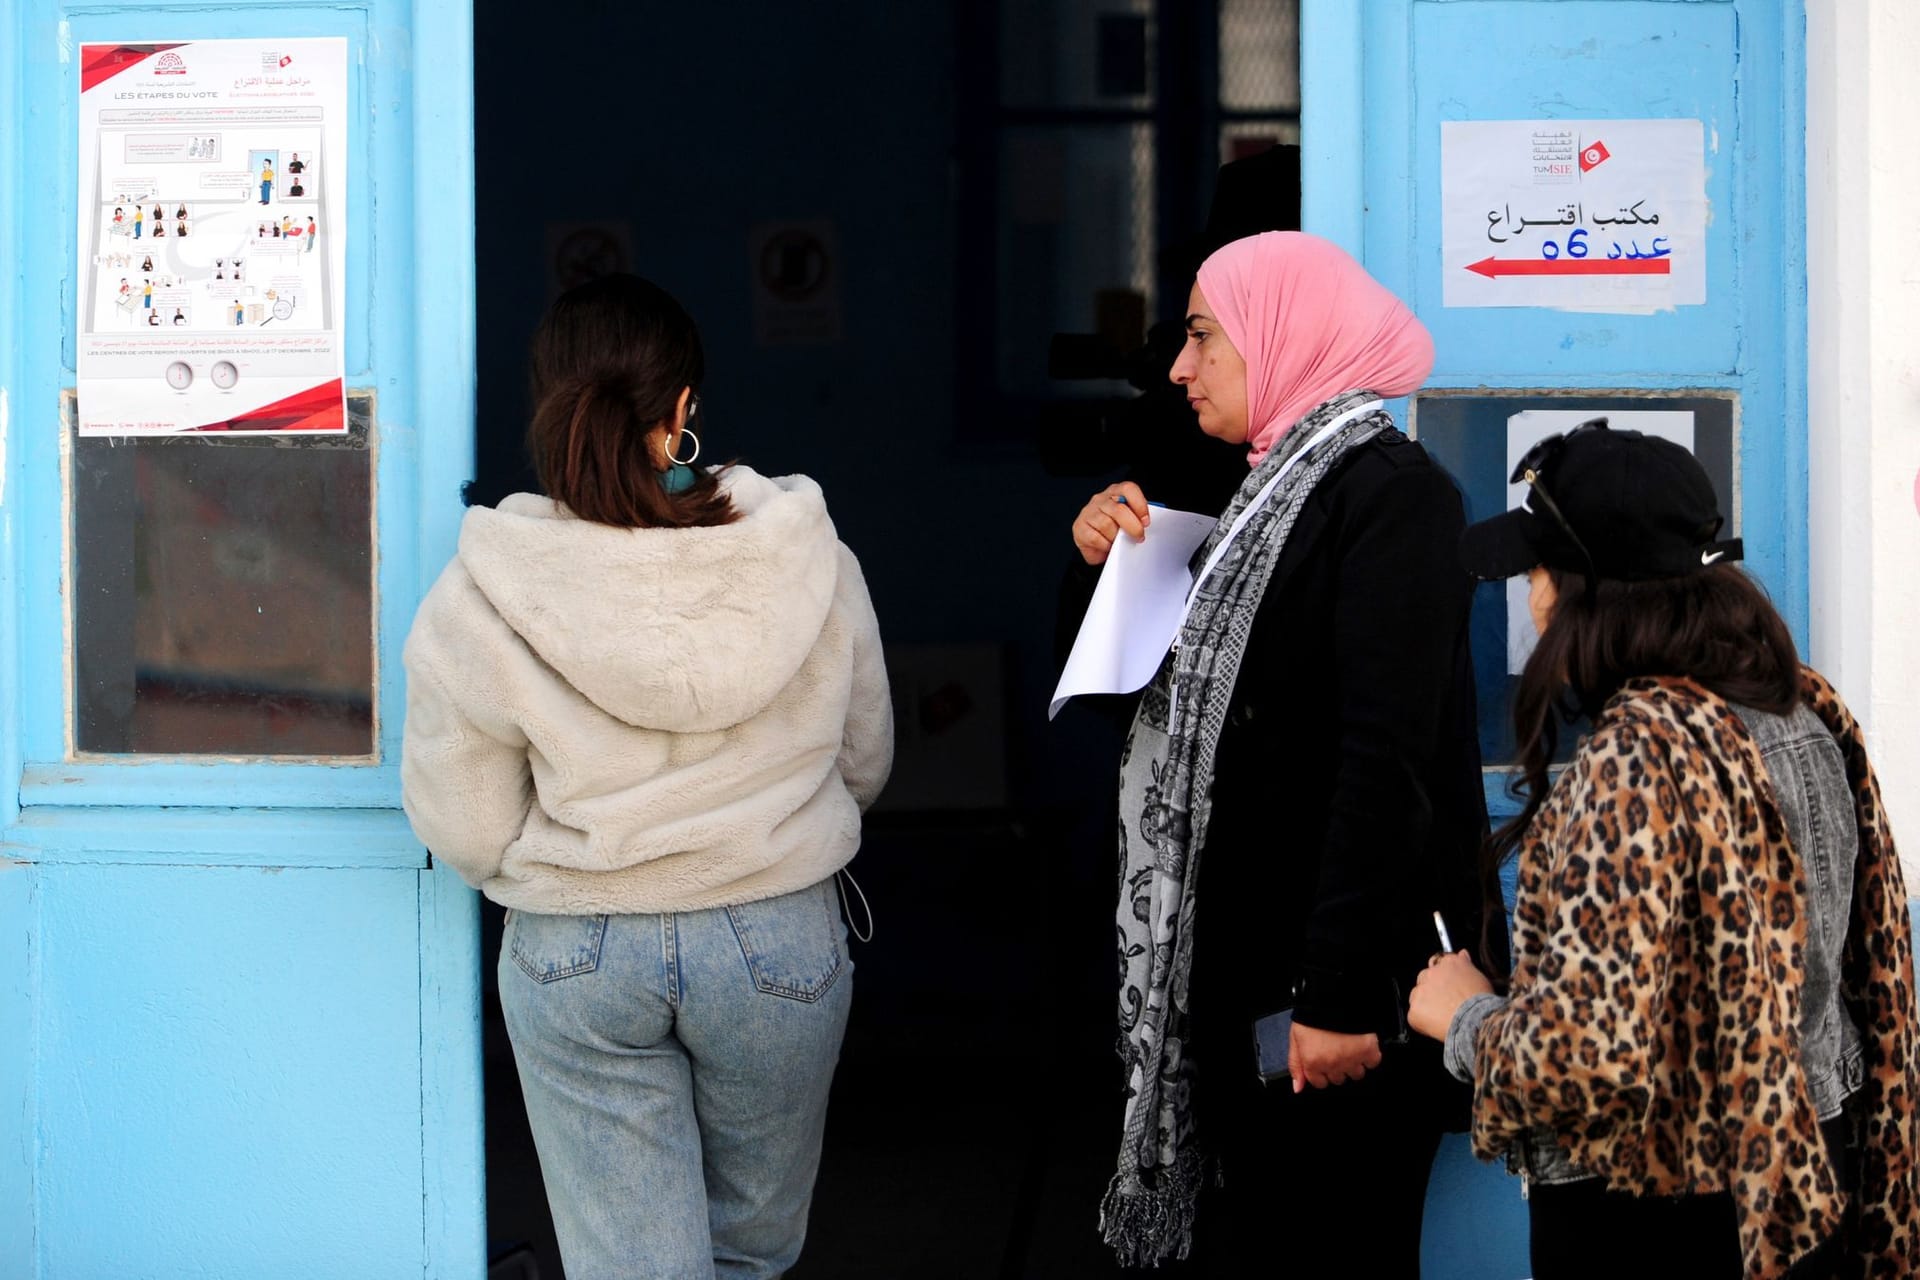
(1592, 154)
(316, 409)
(101, 62)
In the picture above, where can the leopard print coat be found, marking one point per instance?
(1654, 1019)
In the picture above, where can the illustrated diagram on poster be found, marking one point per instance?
(1586, 215)
(212, 211)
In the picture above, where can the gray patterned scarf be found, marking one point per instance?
(1166, 800)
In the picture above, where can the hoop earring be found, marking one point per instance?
(682, 462)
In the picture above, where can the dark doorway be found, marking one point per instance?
(883, 223)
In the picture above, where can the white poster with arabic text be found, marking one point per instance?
(213, 198)
(1583, 215)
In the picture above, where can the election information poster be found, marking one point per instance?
(1584, 215)
(213, 196)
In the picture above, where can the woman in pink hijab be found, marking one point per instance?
(1310, 741)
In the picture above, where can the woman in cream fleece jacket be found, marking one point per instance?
(645, 714)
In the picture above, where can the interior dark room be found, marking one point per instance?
(928, 246)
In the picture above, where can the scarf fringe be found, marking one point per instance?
(1146, 1226)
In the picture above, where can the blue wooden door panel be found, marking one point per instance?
(1577, 59)
(19, 886)
(239, 1027)
(1726, 65)
(409, 343)
(1379, 77)
(235, 1076)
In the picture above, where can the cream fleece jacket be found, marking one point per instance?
(646, 720)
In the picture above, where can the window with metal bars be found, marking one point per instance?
(1089, 135)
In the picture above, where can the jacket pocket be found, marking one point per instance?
(794, 945)
(549, 948)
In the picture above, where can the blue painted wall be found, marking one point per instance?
(1379, 77)
(238, 1007)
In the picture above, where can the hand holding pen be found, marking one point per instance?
(1448, 981)
(1116, 509)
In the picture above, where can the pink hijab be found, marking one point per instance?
(1311, 324)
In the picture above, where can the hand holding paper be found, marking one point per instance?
(1119, 509)
(1136, 608)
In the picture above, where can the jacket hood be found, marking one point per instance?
(684, 630)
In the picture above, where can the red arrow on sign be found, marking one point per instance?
(1493, 268)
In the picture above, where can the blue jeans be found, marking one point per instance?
(676, 1069)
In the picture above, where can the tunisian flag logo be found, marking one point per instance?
(1592, 154)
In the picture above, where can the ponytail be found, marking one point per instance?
(610, 362)
(589, 442)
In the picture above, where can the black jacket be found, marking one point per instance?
(1348, 802)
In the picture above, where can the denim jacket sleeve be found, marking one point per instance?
(1462, 1047)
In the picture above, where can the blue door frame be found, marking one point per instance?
(239, 1006)
(1378, 78)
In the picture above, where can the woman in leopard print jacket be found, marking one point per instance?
(1705, 1065)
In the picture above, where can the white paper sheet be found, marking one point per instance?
(1136, 608)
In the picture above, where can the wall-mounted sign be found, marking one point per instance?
(796, 283)
(581, 251)
(1586, 215)
(213, 197)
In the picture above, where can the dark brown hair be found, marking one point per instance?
(1715, 627)
(609, 362)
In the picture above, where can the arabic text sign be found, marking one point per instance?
(1590, 215)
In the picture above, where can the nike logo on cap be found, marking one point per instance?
(1708, 557)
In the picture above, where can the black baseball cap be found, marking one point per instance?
(1607, 504)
